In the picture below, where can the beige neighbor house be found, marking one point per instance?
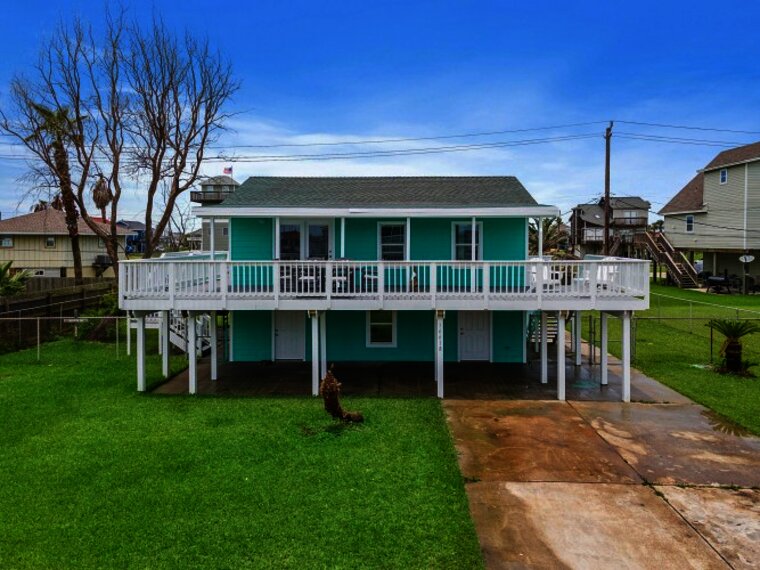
(717, 213)
(40, 243)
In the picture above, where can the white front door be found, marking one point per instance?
(289, 335)
(474, 335)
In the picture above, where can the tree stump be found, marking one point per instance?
(329, 389)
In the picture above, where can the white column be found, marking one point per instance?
(276, 238)
(577, 347)
(544, 350)
(230, 344)
(473, 247)
(314, 353)
(439, 315)
(192, 354)
(408, 240)
(165, 350)
(323, 344)
(603, 349)
(626, 356)
(214, 350)
(129, 334)
(540, 236)
(212, 236)
(560, 356)
(343, 238)
(141, 352)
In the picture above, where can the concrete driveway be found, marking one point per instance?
(608, 485)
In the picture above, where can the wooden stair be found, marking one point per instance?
(534, 328)
(679, 268)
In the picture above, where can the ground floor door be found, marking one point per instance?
(289, 335)
(474, 335)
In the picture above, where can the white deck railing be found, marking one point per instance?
(482, 284)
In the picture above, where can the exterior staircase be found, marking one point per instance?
(534, 328)
(679, 268)
(178, 329)
(617, 243)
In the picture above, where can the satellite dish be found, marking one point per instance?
(747, 258)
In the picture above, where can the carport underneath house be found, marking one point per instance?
(489, 353)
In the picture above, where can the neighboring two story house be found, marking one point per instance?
(629, 216)
(330, 270)
(40, 243)
(717, 212)
(213, 190)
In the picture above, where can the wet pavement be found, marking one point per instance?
(608, 485)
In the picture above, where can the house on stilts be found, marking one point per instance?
(370, 269)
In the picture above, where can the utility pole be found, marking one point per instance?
(607, 140)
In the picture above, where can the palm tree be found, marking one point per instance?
(554, 235)
(56, 126)
(11, 284)
(734, 331)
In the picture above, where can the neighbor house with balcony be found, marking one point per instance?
(371, 269)
(214, 190)
(629, 217)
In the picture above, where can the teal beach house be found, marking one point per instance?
(376, 269)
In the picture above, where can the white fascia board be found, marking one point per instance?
(730, 164)
(682, 212)
(252, 212)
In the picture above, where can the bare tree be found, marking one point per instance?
(180, 223)
(181, 87)
(144, 105)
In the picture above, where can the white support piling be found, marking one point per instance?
(314, 353)
(192, 354)
(577, 347)
(128, 320)
(603, 349)
(323, 344)
(626, 356)
(560, 356)
(141, 352)
(213, 331)
(165, 350)
(544, 350)
(439, 316)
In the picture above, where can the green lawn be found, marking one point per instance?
(675, 351)
(93, 474)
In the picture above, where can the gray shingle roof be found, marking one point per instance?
(628, 202)
(381, 192)
(220, 181)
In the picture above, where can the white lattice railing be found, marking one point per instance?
(387, 281)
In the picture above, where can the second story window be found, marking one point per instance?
(630, 217)
(463, 241)
(50, 242)
(689, 224)
(6, 241)
(724, 175)
(392, 242)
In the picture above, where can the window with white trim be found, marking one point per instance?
(689, 224)
(723, 175)
(463, 241)
(392, 241)
(6, 241)
(50, 242)
(381, 329)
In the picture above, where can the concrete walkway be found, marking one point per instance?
(608, 485)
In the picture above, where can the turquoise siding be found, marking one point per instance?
(346, 337)
(252, 335)
(503, 239)
(251, 239)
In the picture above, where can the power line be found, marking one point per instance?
(688, 127)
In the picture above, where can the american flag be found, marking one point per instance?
(228, 170)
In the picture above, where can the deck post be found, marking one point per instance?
(626, 356)
(544, 350)
(439, 316)
(192, 354)
(314, 352)
(323, 344)
(342, 238)
(129, 333)
(211, 236)
(577, 347)
(214, 348)
(560, 355)
(603, 348)
(165, 350)
(140, 352)
(539, 223)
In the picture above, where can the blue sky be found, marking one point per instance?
(327, 71)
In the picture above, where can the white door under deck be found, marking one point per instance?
(474, 335)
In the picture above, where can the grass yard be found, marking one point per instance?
(675, 352)
(94, 475)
